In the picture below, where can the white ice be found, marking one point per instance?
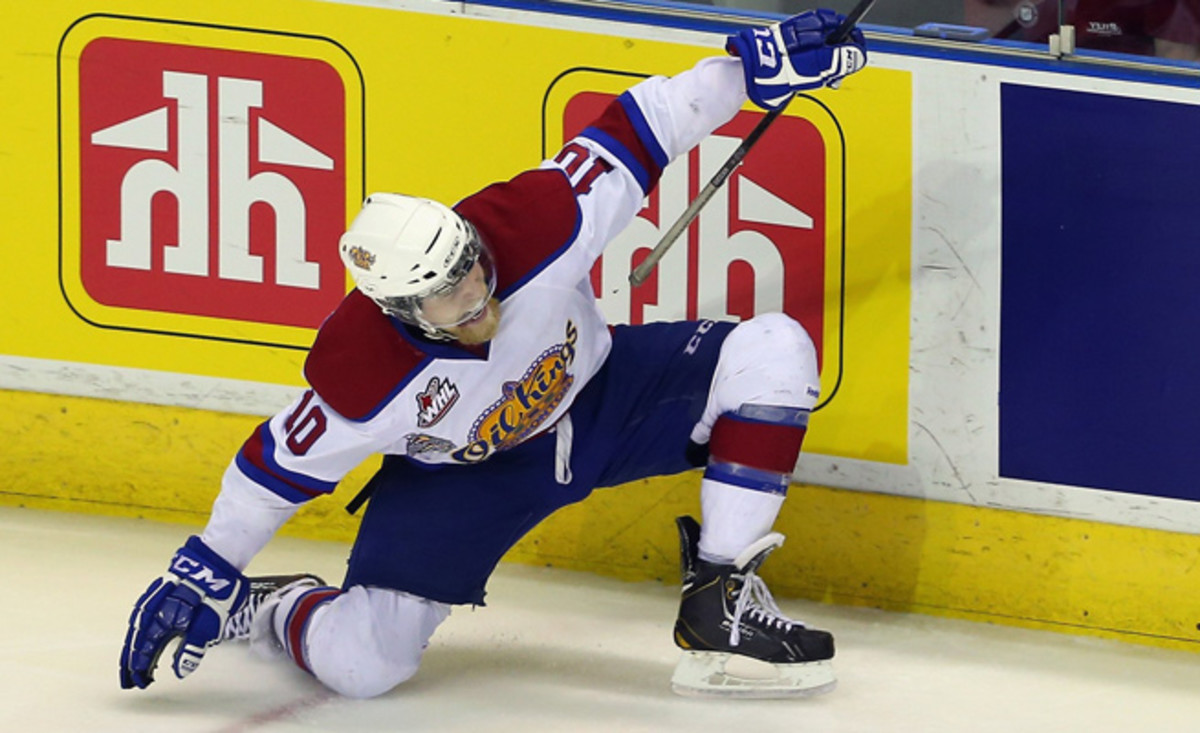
(553, 650)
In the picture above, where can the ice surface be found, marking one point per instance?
(552, 651)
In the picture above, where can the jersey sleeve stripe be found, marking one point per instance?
(271, 483)
(295, 478)
(623, 130)
(256, 460)
(644, 132)
(612, 145)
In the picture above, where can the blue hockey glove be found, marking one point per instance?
(794, 55)
(191, 600)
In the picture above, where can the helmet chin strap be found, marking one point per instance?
(435, 333)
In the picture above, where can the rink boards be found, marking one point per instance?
(989, 251)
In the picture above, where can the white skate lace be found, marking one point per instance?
(238, 624)
(757, 599)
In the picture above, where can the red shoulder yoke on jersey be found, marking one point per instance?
(359, 362)
(526, 222)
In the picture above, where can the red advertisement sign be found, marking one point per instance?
(212, 181)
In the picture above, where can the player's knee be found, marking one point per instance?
(370, 641)
(769, 359)
(363, 679)
(774, 333)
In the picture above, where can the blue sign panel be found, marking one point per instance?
(1100, 293)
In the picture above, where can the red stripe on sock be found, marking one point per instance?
(298, 621)
(764, 446)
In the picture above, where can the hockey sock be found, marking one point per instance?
(733, 518)
(752, 455)
(293, 615)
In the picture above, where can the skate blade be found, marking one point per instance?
(704, 674)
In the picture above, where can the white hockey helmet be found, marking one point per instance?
(405, 253)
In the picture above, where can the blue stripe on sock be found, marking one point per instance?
(773, 414)
(746, 477)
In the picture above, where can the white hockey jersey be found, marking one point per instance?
(376, 386)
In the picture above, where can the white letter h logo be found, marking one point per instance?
(188, 182)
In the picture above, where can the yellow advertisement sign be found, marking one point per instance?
(207, 161)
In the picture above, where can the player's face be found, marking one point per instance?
(467, 311)
(480, 329)
(465, 301)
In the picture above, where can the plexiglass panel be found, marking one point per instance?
(1166, 29)
(1161, 28)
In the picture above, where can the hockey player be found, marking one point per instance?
(473, 356)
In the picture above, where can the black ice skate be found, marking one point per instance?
(727, 610)
(263, 588)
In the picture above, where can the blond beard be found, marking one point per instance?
(480, 332)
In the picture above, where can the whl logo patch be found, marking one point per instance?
(213, 178)
(435, 401)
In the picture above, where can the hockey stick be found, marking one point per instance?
(643, 270)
